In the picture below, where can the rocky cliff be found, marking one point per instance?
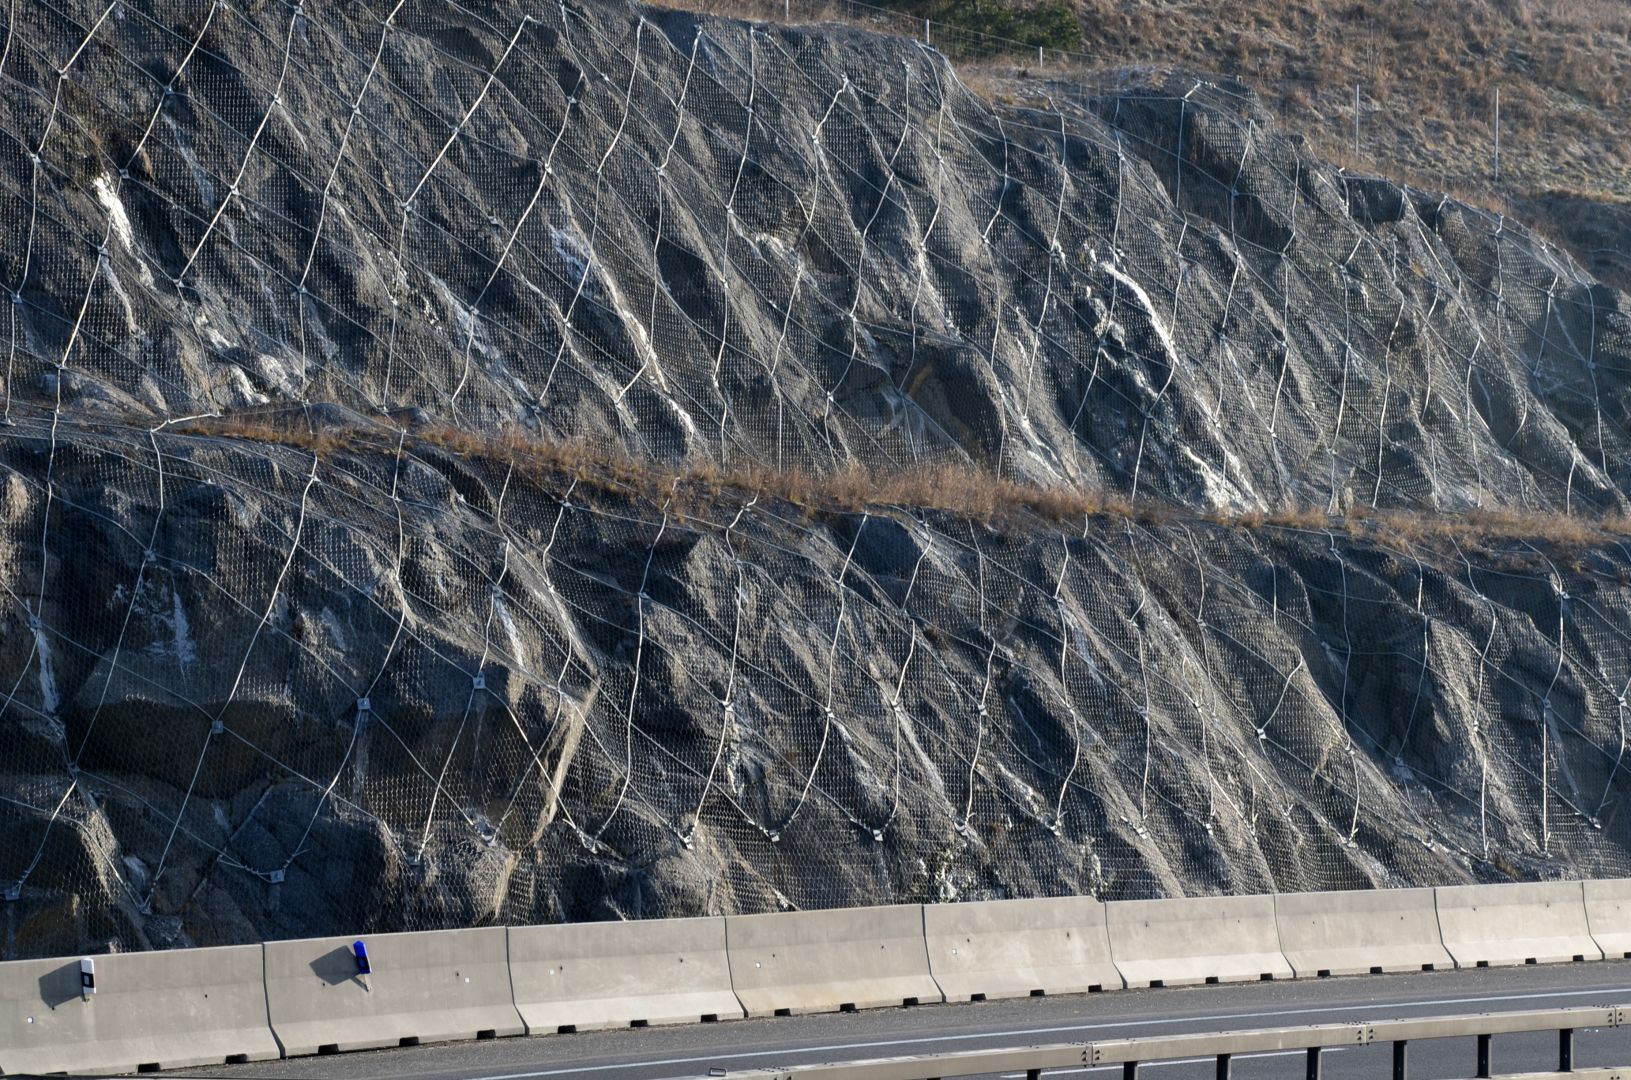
(507, 462)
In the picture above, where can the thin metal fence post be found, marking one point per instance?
(1314, 1063)
(1223, 1067)
(1565, 1050)
(1484, 1056)
(1401, 1060)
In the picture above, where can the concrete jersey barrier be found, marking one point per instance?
(821, 961)
(1608, 916)
(425, 987)
(1354, 933)
(163, 1009)
(1011, 948)
(206, 1006)
(579, 976)
(1196, 940)
(1522, 923)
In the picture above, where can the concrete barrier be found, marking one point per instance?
(1198, 940)
(1366, 931)
(580, 976)
(1608, 916)
(1011, 948)
(425, 987)
(821, 961)
(158, 1009)
(1540, 922)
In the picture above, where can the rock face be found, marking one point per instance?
(358, 677)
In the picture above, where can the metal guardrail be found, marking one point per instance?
(1224, 1046)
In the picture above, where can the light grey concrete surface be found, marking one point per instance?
(489, 982)
(161, 1008)
(691, 1050)
(1018, 948)
(1529, 922)
(1195, 940)
(444, 984)
(819, 961)
(1355, 933)
(614, 974)
(1608, 915)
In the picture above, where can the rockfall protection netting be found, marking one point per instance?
(354, 678)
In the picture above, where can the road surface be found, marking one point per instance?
(734, 1046)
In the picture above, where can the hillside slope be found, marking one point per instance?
(1427, 75)
(409, 521)
(1515, 105)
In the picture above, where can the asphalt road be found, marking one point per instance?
(734, 1046)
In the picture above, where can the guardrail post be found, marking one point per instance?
(1401, 1060)
(1314, 1062)
(1484, 1056)
(1033, 1074)
(1129, 1070)
(1565, 1050)
(1223, 1067)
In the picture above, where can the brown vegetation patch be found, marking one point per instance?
(959, 490)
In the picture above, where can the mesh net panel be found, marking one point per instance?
(362, 673)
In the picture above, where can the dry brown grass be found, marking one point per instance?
(1427, 75)
(956, 490)
(945, 488)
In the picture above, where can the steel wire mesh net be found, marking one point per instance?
(401, 407)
